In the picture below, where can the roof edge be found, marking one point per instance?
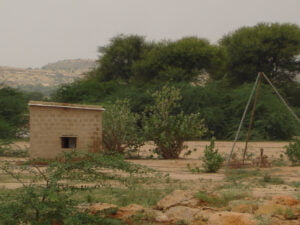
(65, 105)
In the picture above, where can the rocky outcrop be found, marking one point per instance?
(182, 207)
(178, 198)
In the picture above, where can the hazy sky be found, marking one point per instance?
(35, 32)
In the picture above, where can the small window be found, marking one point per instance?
(68, 142)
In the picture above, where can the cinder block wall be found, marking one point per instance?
(49, 124)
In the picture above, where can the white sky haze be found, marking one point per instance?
(36, 32)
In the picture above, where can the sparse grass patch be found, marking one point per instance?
(296, 184)
(279, 162)
(223, 198)
(263, 220)
(123, 196)
(195, 169)
(8, 152)
(267, 178)
(238, 175)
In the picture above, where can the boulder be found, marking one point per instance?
(231, 218)
(204, 214)
(181, 213)
(178, 198)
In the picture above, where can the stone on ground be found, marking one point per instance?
(231, 218)
(178, 198)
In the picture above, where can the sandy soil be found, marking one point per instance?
(178, 169)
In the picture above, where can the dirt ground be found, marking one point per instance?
(178, 169)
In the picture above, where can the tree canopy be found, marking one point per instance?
(117, 58)
(178, 61)
(271, 48)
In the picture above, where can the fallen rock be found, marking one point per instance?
(101, 207)
(156, 216)
(181, 213)
(178, 198)
(204, 214)
(231, 218)
(285, 200)
(129, 211)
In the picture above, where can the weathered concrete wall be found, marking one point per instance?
(49, 124)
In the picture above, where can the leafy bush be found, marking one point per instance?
(45, 199)
(293, 151)
(120, 130)
(168, 128)
(212, 159)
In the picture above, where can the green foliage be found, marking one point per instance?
(271, 48)
(135, 194)
(238, 175)
(119, 56)
(223, 198)
(168, 128)
(120, 130)
(293, 151)
(44, 199)
(13, 105)
(212, 101)
(85, 91)
(178, 61)
(212, 159)
(131, 59)
(272, 120)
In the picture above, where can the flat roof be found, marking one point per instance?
(65, 105)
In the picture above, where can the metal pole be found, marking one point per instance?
(242, 120)
(252, 116)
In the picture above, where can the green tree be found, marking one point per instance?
(272, 48)
(13, 106)
(178, 61)
(120, 129)
(118, 56)
(169, 128)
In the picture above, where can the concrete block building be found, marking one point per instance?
(57, 127)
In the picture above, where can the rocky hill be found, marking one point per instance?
(71, 65)
(48, 77)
